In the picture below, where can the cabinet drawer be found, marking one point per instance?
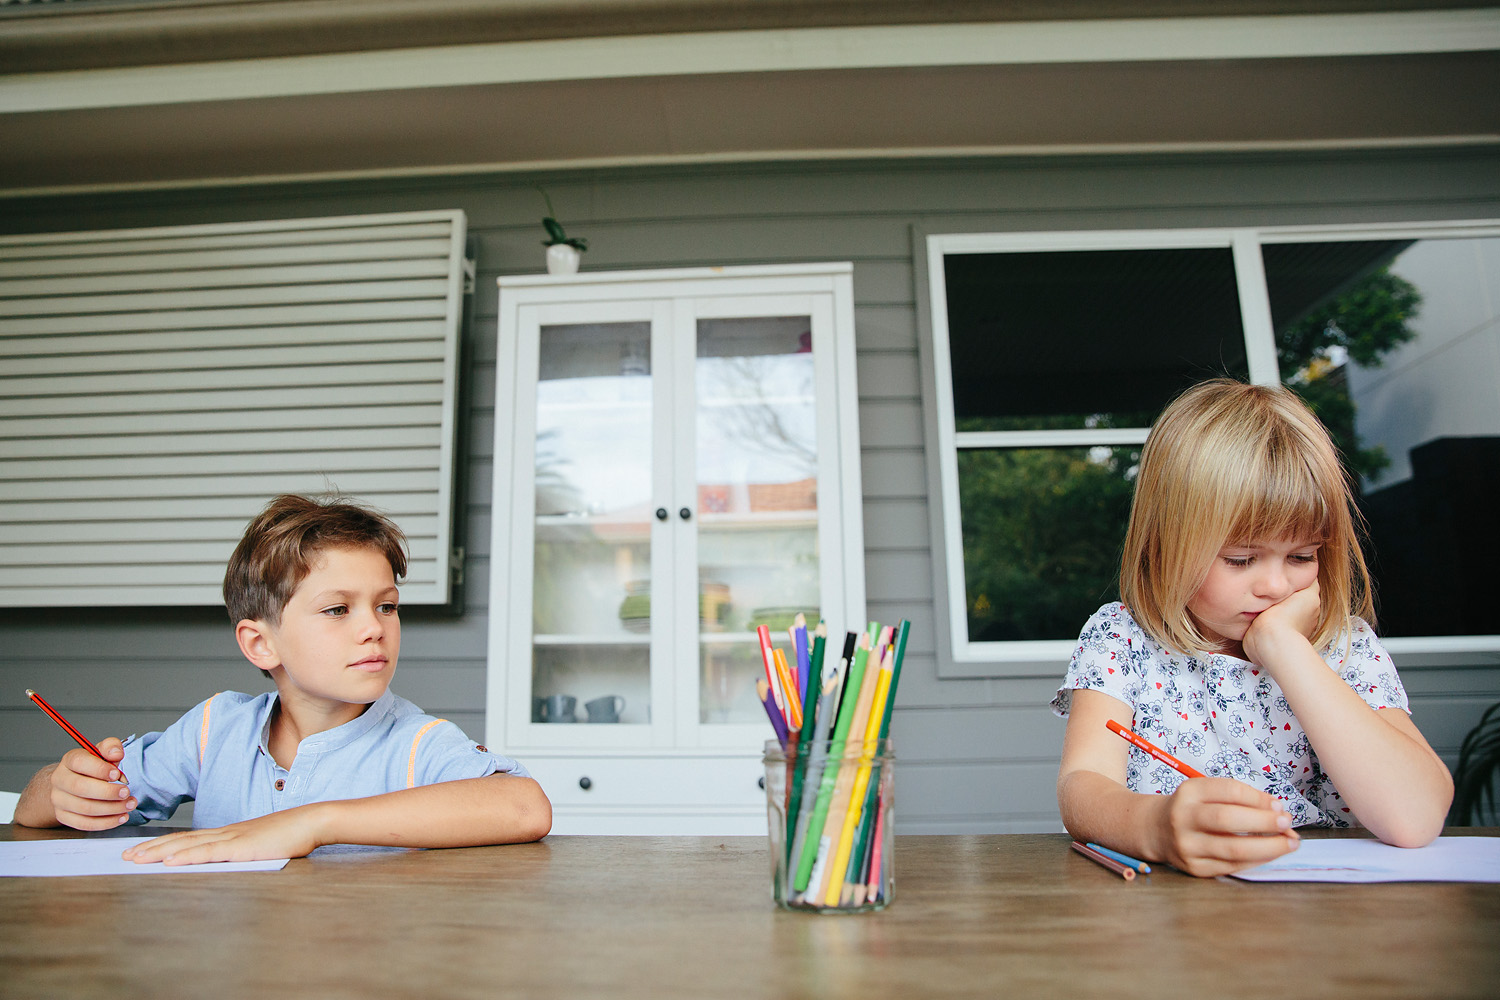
(649, 781)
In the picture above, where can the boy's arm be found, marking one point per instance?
(1197, 829)
(470, 812)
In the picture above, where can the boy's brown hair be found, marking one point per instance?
(283, 541)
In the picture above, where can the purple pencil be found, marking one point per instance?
(778, 723)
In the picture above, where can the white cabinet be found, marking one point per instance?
(676, 461)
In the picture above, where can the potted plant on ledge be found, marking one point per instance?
(563, 251)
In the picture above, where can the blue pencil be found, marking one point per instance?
(1124, 859)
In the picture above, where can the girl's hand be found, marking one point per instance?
(1295, 617)
(1214, 826)
(87, 793)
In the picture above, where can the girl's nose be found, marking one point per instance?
(1272, 583)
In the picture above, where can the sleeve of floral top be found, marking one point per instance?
(1105, 659)
(1368, 669)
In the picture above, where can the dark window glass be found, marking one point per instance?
(1042, 529)
(1098, 338)
(1396, 346)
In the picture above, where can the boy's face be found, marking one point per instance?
(340, 633)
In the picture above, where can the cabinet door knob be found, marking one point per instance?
(684, 513)
(661, 513)
(761, 781)
(585, 783)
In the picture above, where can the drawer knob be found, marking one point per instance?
(761, 781)
(586, 782)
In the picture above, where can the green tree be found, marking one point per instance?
(1367, 320)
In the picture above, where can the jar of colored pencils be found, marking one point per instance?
(829, 806)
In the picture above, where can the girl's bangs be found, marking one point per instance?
(1283, 500)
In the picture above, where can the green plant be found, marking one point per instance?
(1474, 778)
(555, 231)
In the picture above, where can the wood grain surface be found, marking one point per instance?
(994, 915)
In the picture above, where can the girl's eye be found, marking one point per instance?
(1305, 557)
(1238, 561)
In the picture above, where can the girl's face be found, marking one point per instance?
(1248, 578)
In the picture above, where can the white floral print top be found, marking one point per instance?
(1223, 715)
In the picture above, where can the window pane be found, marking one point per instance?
(1042, 529)
(1396, 345)
(1087, 338)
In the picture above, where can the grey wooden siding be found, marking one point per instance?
(975, 754)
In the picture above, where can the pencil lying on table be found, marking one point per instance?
(1124, 872)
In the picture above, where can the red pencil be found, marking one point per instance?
(1141, 743)
(68, 728)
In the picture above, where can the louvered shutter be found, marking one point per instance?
(158, 386)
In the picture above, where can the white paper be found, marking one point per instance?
(101, 856)
(1447, 859)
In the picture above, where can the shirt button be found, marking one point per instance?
(280, 784)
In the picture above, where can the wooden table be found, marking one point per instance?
(1017, 915)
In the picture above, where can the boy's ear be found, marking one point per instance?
(257, 643)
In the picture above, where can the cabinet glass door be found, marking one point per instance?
(592, 586)
(756, 464)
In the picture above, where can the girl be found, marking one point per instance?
(1243, 648)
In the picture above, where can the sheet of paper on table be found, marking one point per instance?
(1447, 859)
(101, 856)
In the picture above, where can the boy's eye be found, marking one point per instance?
(388, 608)
(337, 611)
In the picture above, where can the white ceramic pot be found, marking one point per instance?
(562, 259)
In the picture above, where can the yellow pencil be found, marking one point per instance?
(836, 885)
(845, 786)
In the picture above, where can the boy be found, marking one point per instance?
(332, 756)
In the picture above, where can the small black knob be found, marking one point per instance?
(661, 513)
(684, 513)
(762, 782)
(585, 783)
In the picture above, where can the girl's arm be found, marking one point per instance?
(1200, 828)
(1390, 777)
(471, 812)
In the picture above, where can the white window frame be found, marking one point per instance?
(958, 655)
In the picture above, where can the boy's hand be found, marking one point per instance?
(288, 834)
(87, 793)
(1295, 616)
(1214, 826)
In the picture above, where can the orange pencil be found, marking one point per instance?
(68, 728)
(1141, 743)
(789, 684)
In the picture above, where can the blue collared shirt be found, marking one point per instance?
(217, 755)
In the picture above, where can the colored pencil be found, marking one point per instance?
(853, 678)
(1141, 743)
(793, 704)
(863, 845)
(67, 726)
(769, 657)
(778, 721)
(1124, 859)
(1126, 873)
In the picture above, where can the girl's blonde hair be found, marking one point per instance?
(1228, 463)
